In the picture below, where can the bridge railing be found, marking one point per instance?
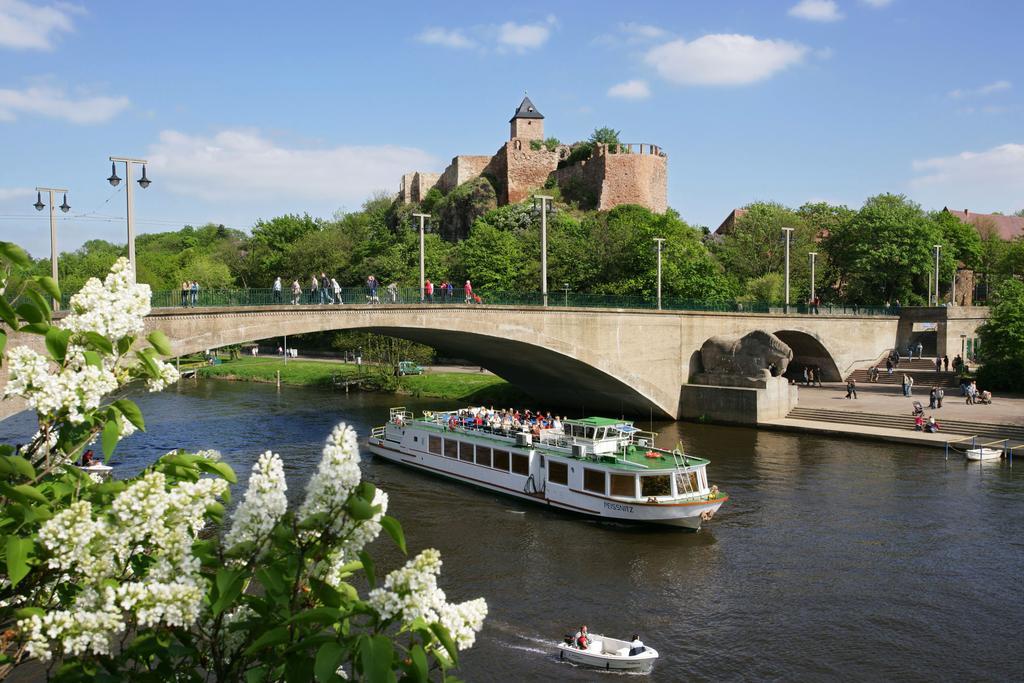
(237, 297)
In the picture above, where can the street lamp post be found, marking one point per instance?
(423, 217)
(937, 248)
(544, 202)
(144, 182)
(661, 243)
(812, 255)
(65, 207)
(566, 288)
(789, 234)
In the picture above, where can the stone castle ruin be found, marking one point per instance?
(627, 173)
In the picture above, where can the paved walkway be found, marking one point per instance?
(889, 400)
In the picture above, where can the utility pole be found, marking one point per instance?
(660, 242)
(788, 234)
(544, 201)
(53, 228)
(423, 217)
(812, 255)
(937, 248)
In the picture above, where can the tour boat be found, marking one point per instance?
(984, 453)
(594, 466)
(609, 653)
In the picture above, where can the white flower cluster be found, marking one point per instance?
(336, 477)
(168, 375)
(354, 537)
(144, 518)
(264, 504)
(74, 389)
(412, 593)
(113, 308)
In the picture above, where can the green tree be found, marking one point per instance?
(493, 259)
(605, 135)
(756, 245)
(1002, 340)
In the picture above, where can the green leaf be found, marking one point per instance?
(111, 434)
(221, 469)
(15, 464)
(15, 254)
(256, 675)
(147, 361)
(359, 509)
(98, 341)
(92, 358)
(124, 345)
(131, 413)
(327, 594)
(419, 662)
(319, 615)
(394, 529)
(368, 567)
(30, 313)
(8, 315)
(18, 550)
(160, 342)
(57, 343)
(35, 328)
(377, 667)
(31, 493)
(41, 303)
(240, 550)
(49, 285)
(446, 639)
(272, 580)
(3, 342)
(328, 659)
(26, 612)
(274, 636)
(229, 586)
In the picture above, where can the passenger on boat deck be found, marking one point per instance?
(582, 638)
(557, 424)
(636, 647)
(87, 459)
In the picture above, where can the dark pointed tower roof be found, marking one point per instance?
(526, 110)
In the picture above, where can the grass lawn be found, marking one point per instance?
(300, 372)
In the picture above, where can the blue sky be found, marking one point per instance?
(253, 109)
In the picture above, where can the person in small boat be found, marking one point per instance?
(636, 647)
(582, 638)
(87, 459)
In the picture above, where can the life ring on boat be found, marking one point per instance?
(652, 454)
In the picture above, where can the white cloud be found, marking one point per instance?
(29, 27)
(987, 89)
(642, 31)
(522, 37)
(816, 10)
(237, 165)
(877, 3)
(453, 38)
(989, 180)
(723, 59)
(9, 193)
(630, 90)
(52, 102)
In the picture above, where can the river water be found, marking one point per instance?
(832, 559)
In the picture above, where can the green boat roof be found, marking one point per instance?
(597, 422)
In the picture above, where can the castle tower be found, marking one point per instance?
(527, 123)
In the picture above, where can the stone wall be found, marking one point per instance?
(463, 168)
(527, 169)
(606, 180)
(526, 129)
(416, 185)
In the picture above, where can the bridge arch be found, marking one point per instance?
(810, 350)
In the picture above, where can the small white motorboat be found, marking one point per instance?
(609, 653)
(984, 453)
(99, 469)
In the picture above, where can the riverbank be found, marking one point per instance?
(462, 386)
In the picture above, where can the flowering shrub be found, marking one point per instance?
(131, 580)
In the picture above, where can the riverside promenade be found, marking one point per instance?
(882, 412)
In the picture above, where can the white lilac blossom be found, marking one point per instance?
(145, 517)
(263, 505)
(354, 535)
(113, 308)
(168, 375)
(412, 593)
(336, 478)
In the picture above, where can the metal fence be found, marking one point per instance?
(558, 298)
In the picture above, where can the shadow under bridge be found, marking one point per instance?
(809, 351)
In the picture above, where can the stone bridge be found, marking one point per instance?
(594, 360)
(597, 360)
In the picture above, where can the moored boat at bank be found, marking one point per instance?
(594, 466)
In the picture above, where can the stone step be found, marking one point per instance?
(958, 427)
(922, 378)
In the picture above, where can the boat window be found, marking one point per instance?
(466, 451)
(435, 444)
(501, 460)
(558, 473)
(593, 480)
(483, 456)
(451, 448)
(520, 464)
(589, 432)
(623, 485)
(658, 485)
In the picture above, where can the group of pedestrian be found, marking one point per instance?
(189, 293)
(812, 376)
(908, 385)
(935, 397)
(446, 292)
(940, 362)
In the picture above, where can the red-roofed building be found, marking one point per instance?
(1007, 227)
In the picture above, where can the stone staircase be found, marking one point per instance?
(921, 369)
(985, 432)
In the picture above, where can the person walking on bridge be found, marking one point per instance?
(428, 291)
(337, 290)
(277, 290)
(314, 288)
(296, 292)
(468, 287)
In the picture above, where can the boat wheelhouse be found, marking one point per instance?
(596, 466)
